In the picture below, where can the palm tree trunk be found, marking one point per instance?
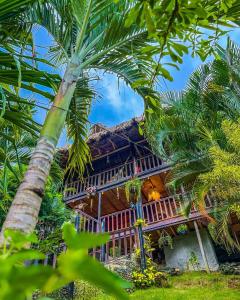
(23, 213)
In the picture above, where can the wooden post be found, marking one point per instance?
(201, 247)
(140, 235)
(77, 221)
(103, 247)
(99, 211)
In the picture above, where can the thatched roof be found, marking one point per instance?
(104, 140)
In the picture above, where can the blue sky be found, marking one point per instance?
(118, 102)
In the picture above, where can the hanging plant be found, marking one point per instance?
(139, 222)
(133, 190)
(165, 239)
(182, 229)
(153, 194)
(91, 193)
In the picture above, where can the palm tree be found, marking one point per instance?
(188, 132)
(90, 35)
(189, 122)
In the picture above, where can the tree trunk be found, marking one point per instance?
(23, 213)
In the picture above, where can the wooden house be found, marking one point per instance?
(118, 154)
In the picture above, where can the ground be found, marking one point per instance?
(192, 286)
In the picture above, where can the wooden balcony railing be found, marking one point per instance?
(123, 236)
(107, 178)
(153, 212)
(88, 223)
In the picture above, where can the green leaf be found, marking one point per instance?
(82, 240)
(18, 239)
(77, 265)
(165, 73)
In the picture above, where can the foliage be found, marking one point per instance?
(73, 264)
(181, 229)
(189, 122)
(187, 131)
(223, 180)
(133, 189)
(165, 239)
(84, 290)
(139, 222)
(150, 277)
(178, 27)
(92, 37)
(53, 212)
(117, 251)
(193, 261)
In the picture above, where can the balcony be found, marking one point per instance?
(148, 165)
(157, 214)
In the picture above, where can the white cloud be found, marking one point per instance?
(123, 100)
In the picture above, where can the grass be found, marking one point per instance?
(192, 286)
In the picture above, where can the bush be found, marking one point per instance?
(85, 290)
(150, 277)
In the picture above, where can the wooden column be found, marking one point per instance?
(201, 247)
(140, 235)
(99, 211)
(101, 226)
(77, 221)
(103, 247)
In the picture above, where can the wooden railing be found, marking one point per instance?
(123, 235)
(157, 214)
(114, 175)
(88, 223)
(153, 212)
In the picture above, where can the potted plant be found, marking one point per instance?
(133, 190)
(165, 239)
(182, 229)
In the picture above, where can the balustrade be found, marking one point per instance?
(114, 175)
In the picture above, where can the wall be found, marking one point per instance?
(183, 245)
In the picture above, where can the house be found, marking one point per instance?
(118, 154)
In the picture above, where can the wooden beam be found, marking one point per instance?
(112, 204)
(201, 246)
(173, 231)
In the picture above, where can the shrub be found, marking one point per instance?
(150, 277)
(74, 264)
(85, 290)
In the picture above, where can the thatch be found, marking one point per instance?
(104, 140)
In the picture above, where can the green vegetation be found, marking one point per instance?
(133, 189)
(197, 131)
(20, 277)
(192, 286)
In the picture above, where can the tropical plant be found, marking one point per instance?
(165, 239)
(178, 27)
(189, 122)
(133, 189)
(223, 181)
(182, 229)
(150, 277)
(74, 264)
(89, 35)
(193, 261)
(190, 135)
